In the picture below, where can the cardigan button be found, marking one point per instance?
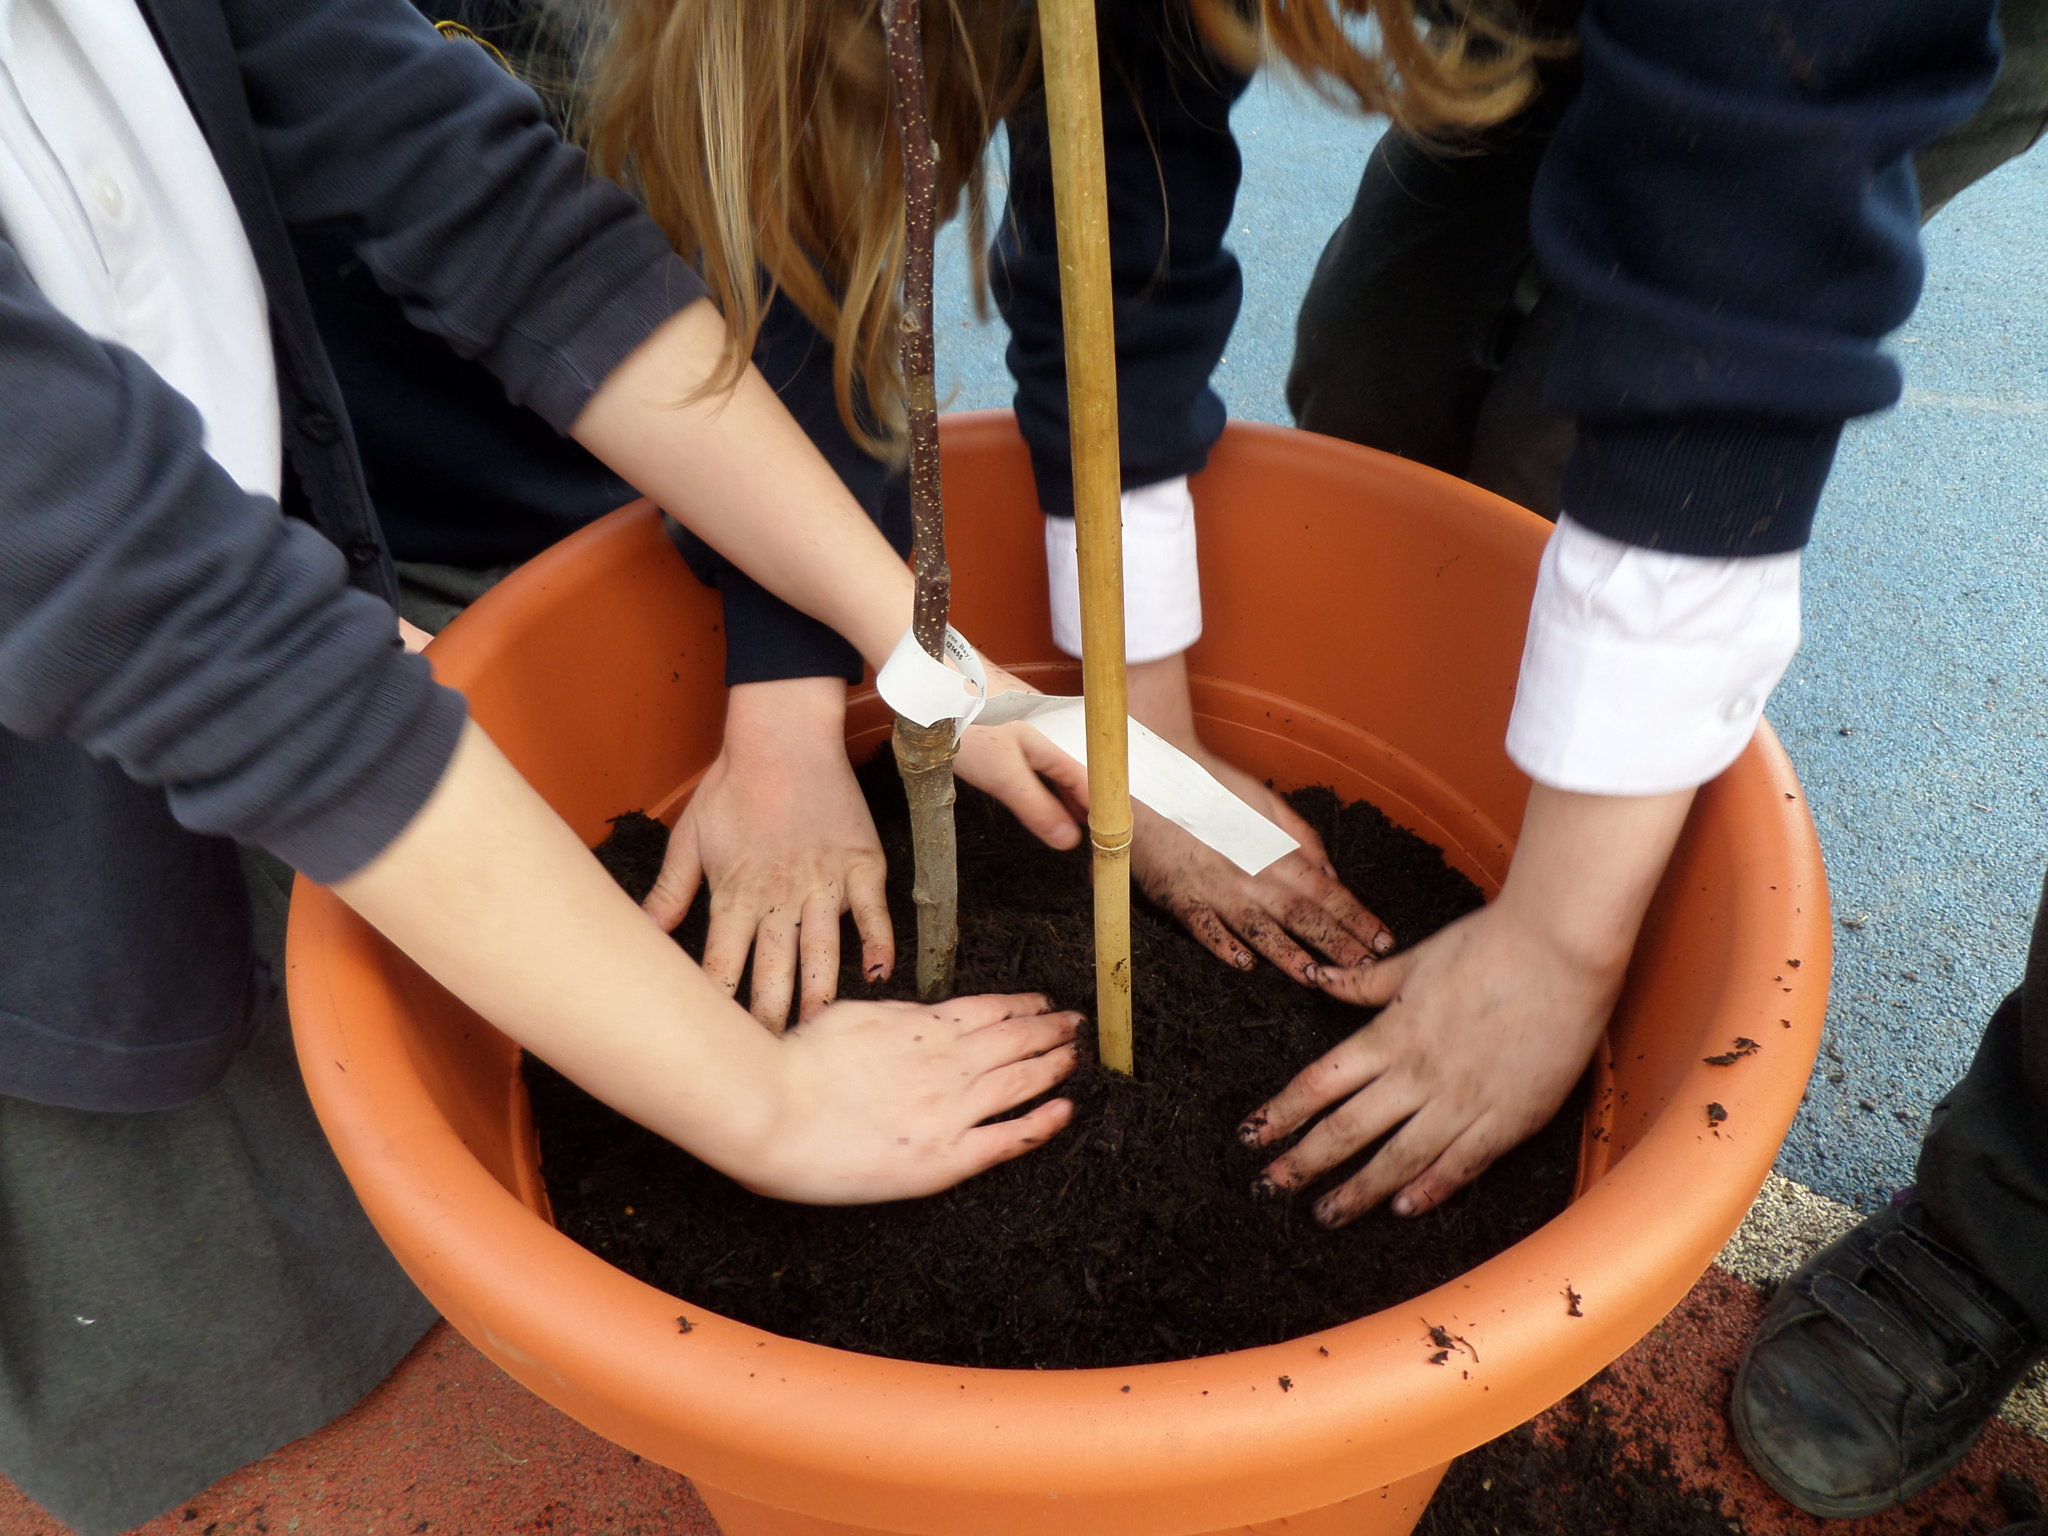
(362, 554)
(320, 427)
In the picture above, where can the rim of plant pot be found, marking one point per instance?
(439, 1159)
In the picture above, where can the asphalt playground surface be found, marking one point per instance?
(1916, 714)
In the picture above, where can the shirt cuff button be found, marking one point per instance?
(1740, 707)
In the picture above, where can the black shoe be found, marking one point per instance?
(1877, 1366)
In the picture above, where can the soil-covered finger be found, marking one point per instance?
(1020, 1082)
(1314, 924)
(1209, 930)
(985, 1008)
(868, 900)
(1043, 814)
(1357, 919)
(1353, 1125)
(1321, 1083)
(775, 962)
(728, 942)
(1407, 1152)
(987, 1145)
(1264, 933)
(818, 953)
(1368, 984)
(1015, 1039)
(1470, 1155)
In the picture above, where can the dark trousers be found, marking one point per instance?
(1427, 331)
(1427, 328)
(1984, 1166)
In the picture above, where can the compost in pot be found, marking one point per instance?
(1134, 1236)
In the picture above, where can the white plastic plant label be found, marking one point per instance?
(1163, 778)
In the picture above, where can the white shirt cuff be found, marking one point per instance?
(1645, 672)
(1162, 583)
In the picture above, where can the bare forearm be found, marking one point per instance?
(774, 722)
(492, 894)
(740, 473)
(1159, 698)
(1586, 867)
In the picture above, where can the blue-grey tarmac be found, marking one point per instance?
(1917, 709)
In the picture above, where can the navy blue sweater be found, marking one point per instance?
(1173, 171)
(1728, 205)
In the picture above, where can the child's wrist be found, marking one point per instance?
(767, 722)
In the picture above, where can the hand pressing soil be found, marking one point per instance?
(1134, 1236)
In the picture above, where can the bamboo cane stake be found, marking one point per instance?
(924, 754)
(1073, 101)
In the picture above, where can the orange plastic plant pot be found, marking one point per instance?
(1364, 626)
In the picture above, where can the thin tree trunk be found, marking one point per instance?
(924, 754)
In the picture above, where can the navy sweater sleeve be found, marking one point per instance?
(766, 640)
(162, 618)
(1173, 175)
(1730, 208)
(491, 231)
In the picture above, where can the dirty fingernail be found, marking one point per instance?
(1263, 1188)
(1382, 941)
(1252, 1129)
(1404, 1205)
(1329, 1213)
(1312, 974)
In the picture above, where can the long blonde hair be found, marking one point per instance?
(759, 133)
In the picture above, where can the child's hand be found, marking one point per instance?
(1294, 902)
(1486, 1027)
(779, 830)
(1488, 1024)
(1297, 898)
(884, 1101)
(1007, 761)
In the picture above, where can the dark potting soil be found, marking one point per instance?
(1133, 1236)
(1572, 1471)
